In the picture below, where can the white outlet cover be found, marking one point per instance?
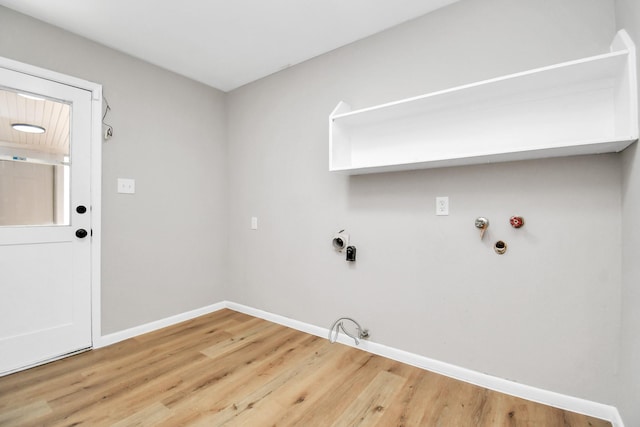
(442, 206)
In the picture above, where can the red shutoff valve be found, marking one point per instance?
(516, 221)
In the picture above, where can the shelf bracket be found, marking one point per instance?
(341, 108)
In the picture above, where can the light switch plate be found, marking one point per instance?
(126, 185)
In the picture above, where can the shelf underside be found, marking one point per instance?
(583, 148)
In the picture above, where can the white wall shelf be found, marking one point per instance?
(586, 106)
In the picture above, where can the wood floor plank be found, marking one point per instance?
(57, 375)
(119, 383)
(265, 401)
(294, 398)
(22, 414)
(235, 377)
(230, 369)
(351, 383)
(418, 390)
(368, 406)
(149, 416)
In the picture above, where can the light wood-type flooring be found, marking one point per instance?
(230, 369)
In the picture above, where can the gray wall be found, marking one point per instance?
(628, 16)
(545, 314)
(548, 313)
(164, 247)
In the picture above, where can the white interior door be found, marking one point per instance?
(45, 256)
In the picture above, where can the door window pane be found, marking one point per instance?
(34, 160)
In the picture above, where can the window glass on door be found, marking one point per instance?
(34, 160)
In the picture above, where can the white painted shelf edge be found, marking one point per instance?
(617, 68)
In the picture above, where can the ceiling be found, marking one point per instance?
(225, 43)
(51, 115)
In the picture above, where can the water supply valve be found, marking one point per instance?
(516, 221)
(482, 223)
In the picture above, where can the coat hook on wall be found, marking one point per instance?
(108, 132)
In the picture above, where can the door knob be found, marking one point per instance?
(81, 209)
(81, 233)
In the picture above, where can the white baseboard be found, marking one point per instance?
(561, 401)
(116, 337)
(557, 400)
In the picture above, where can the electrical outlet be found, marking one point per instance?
(442, 206)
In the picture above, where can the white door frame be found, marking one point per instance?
(96, 176)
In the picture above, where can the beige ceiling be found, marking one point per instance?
(51, 115)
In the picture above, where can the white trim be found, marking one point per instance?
(561, 401)
(616, 419)
(96, 215)
(96, 173)
(116, 337)
(557, 400)
(43, 73)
